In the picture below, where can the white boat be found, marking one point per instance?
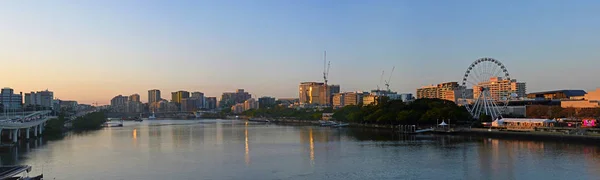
(152, 116)
(341, 125)
(113, 124)
(198, 114)
(327, 123)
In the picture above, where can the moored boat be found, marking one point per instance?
(258, 120)
(341, 125)
(18, 173)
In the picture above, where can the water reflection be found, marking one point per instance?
(312, 147)
(298, 152)
(12, 155)
(247, 148)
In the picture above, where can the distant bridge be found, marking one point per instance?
(17, 126)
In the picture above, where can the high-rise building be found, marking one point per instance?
(450, 91)
(500, 89)
(430, 91)
(119, 103)
(265, 102)
(40, 98)
(153, 96)
(200, 97)
(176, 97)
(134, 98)
(191, 104)
(210, 103)
(317, 93)
(338, 100)
(370, 99)
(237, 108)
(228, 99)
(250, 104)
(406, 97)
(11, 101)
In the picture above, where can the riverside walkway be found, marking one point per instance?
(24, 126)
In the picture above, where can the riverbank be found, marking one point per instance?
(530, 135)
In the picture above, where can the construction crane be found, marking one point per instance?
(380, 79)
(326, 66)
(387, 83)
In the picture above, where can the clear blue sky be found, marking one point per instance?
(93, 50)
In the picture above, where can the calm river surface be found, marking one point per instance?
(223, 149)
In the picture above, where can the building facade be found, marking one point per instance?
(10, 100)
(265, 102)
(348, 98)
(558, 95)
(250, 104)
(338, 100)
(134, 98)
(176, 97)
(406, 97)
(500, 89)
(316, 93)
(210, 103)
(40, 98)
(154, 96)
(237, 108)
(119, 103)
(450, 91)
(590, 100)
(199, 96)
(230, 98)
(191, 104)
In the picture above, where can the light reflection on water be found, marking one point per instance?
(219, 149)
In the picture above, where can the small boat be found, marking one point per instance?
(14, 172)
(152, 116)
(341, 125)
(328, 123)
(113, 124)
(258, 120)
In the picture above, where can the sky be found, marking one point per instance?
(91, 51)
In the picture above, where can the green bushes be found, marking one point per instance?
(54, 127)
(91, 121)
(421, 111)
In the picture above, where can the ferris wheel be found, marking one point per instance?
(486, 98)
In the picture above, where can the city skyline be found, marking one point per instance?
(267, 48)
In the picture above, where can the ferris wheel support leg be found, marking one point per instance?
(485, 105)
(475, 112)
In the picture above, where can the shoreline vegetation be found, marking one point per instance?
(55, 128)
(424, 113)
(421, 112)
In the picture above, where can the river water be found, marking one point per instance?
(223, 149)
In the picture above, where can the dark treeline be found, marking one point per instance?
(395, 112)
(284, 112)
(91, 121)
(55, 127)
(541, 111)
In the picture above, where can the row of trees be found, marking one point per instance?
(541, 111)
(421, 111)
(284, 112)
(91, 121)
